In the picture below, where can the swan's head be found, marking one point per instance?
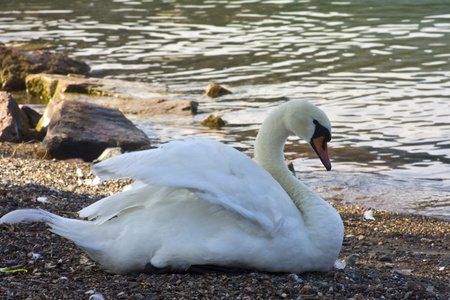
(311, 124)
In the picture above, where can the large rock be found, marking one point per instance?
(16, 64)
(151, 107)
(13, 126)
(129, 97)
(53, 86)
(84, 130)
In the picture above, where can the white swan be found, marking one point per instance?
(199, 203)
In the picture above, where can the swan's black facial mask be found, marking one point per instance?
(319, 142)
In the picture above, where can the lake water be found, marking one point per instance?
(379, 69)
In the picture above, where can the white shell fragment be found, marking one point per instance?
(92, 182)
(42, 199)
(368, 215)
(33, 255)
(96, 296)
(80, 173)
(339, 264)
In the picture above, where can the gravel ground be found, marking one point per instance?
(391, 257)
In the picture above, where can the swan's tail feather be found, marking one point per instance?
(27, 215)
(74, 230)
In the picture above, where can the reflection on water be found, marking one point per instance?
(379, 69)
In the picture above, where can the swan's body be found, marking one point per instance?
(200, 202)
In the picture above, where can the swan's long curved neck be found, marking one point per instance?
(321, 220)
(269, 144)
(269, 154)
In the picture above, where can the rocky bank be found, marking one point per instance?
(84, 115)
(391, 257)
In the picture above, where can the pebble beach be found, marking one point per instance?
(388, 256)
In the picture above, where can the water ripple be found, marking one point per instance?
(381, 70)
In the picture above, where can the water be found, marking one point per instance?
(380, 70)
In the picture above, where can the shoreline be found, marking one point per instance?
(394, 256)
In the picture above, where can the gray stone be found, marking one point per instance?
(12, 121)
(32, 116)
(84, 130)
(108, 153)
(213, 121)
(214, 90)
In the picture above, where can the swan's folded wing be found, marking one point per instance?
(110, 207)
(216, 173)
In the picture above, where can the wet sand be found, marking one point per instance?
(394, 256)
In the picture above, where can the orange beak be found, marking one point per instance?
(319, 144)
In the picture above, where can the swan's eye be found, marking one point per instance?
(321, 131)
